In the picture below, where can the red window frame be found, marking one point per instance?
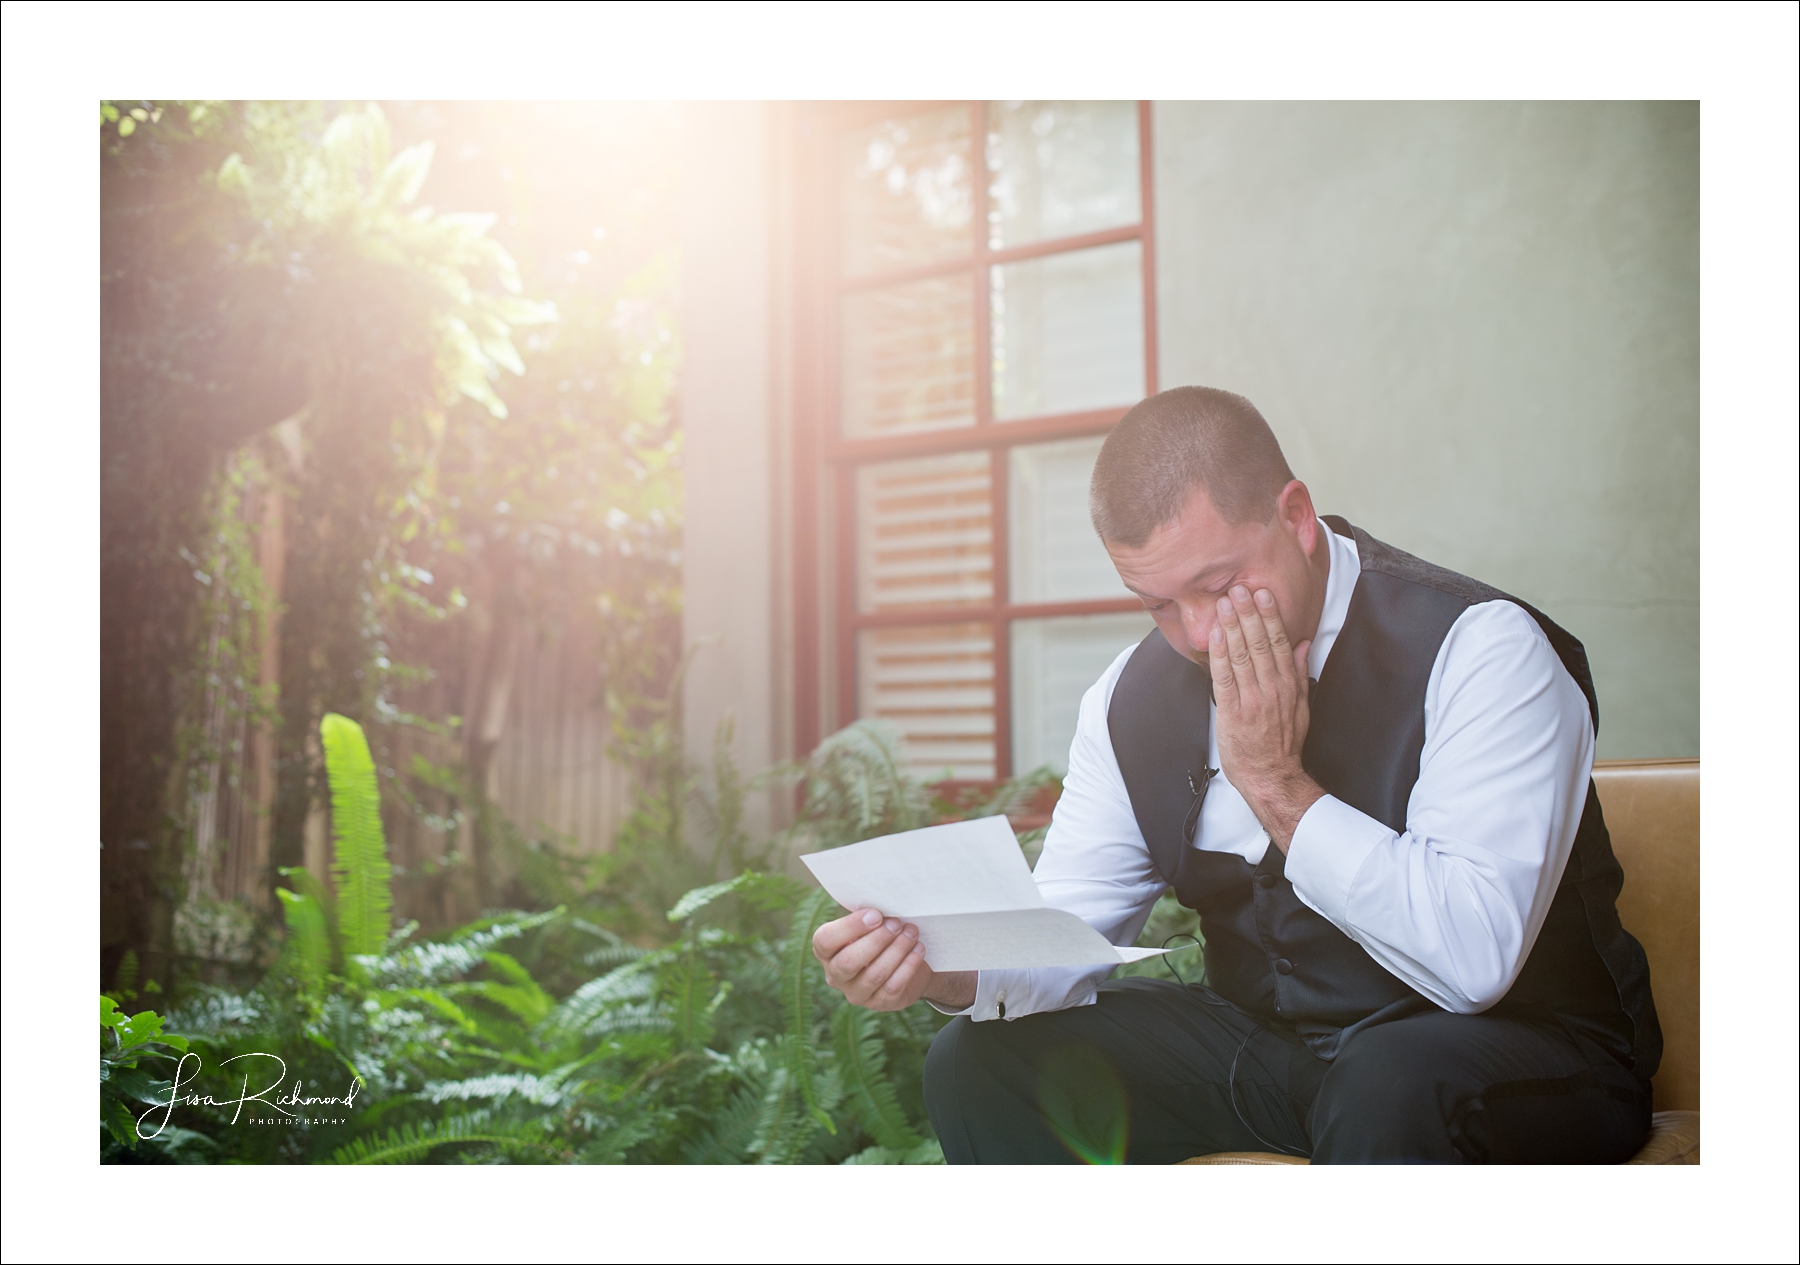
(826, 621)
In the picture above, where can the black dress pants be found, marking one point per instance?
(1155, 1072)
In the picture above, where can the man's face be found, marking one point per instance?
(1187, 565)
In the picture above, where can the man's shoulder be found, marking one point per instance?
(1380, 558)
(1501, 617)
(1493, 633)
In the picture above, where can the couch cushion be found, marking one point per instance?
(1653, 814)
(1674, 1139)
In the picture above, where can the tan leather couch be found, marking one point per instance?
(1653, 813)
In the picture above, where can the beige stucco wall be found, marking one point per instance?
(728, 353)
(1475, 329)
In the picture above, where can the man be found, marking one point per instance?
(1370, 777)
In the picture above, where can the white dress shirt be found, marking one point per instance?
(1451, 905)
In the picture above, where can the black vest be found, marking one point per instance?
(1270, 954)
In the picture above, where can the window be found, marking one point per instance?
(979, 312)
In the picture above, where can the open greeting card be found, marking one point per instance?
(967, 888)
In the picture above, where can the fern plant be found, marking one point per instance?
(307, 954)
(359, 864)
(328, 930)
(551, 1037)
(412, 1143)
(862, 1060)
(856, 786)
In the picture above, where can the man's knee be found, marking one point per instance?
(1455, 1089)
(980, 1093)
(941, 1059)
(1383, 1106)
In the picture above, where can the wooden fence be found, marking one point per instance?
(550, 773)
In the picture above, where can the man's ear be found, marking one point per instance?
(1294, 506)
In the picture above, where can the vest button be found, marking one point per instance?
(1283, 966)
(1265, 880)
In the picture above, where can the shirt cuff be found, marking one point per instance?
(991, 988)
(990, 997)
(966, 1010)
(1329, 849)
(1016, 993)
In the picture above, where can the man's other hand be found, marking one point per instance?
(878, 963)
(1260, 691)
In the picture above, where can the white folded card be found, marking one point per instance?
(967, 888)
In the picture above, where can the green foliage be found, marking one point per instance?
(260, 262)
(126, 977)
(551, 1038)
(762, 891)
(457, 468)
(798, 986)
(331, 933)
(410, 1144)
(308, 954)
(856, 786)
(131, 1092)
(359, 864)
(343, 200)
(134, 1034)
(223, 691)
(861, 1055)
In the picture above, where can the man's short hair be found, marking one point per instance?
(1172, 443)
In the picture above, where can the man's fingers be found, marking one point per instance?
(1218, 658)
(881, 970)
(908, 974)
(852, 962)
(1300, 653)
(849, 962)
(1256, 632)
(1276, 630)
(1236, 647)
(870, 958)
(834, 937)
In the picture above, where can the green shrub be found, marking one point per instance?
(549, 1037)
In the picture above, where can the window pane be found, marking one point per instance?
(1058, 168)
(904, 190)
(1069, 332)
(925, 532)
(909, 358)
(937, 685)
(1054, 552)
(1054, 661)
